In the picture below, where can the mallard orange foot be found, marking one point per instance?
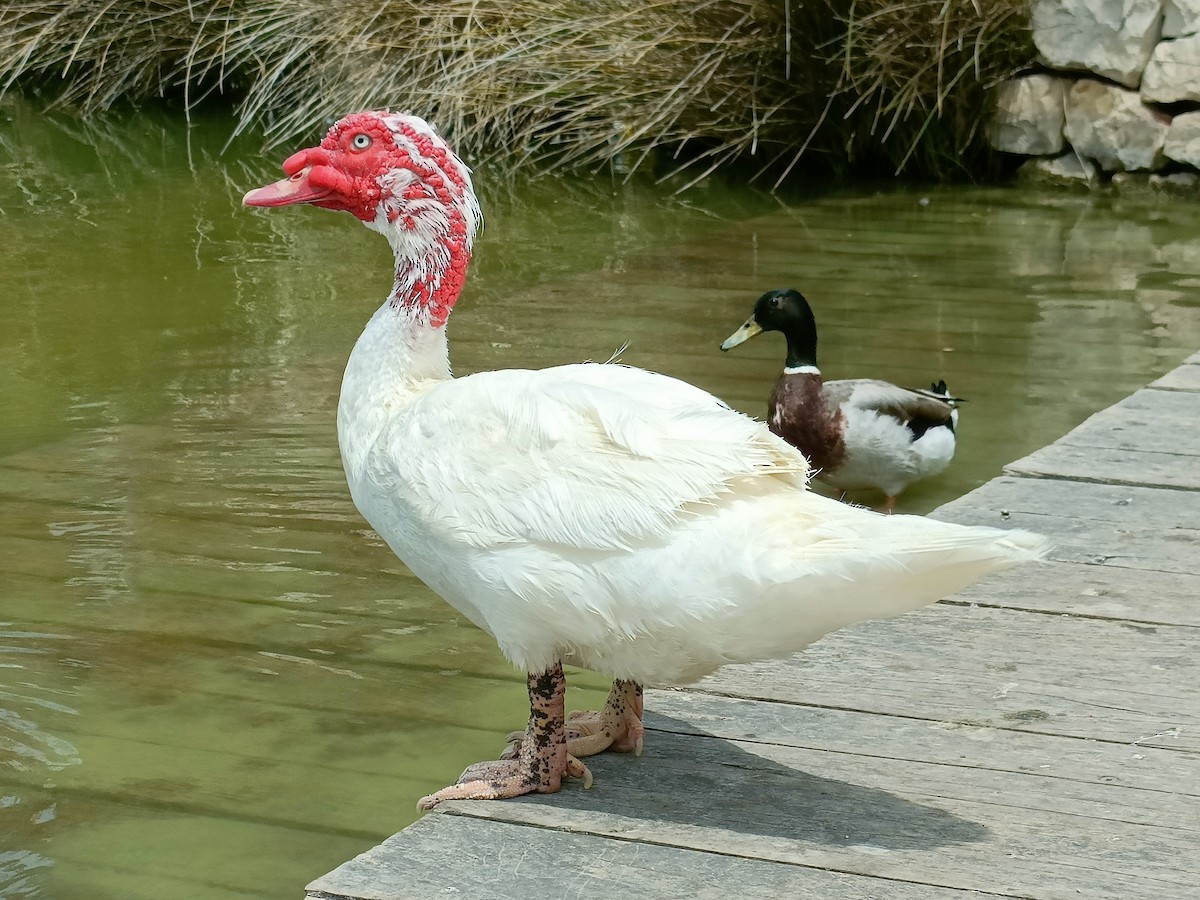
(541, 761)
(617, 727)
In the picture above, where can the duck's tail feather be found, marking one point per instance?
(938, 391)
(881, 566)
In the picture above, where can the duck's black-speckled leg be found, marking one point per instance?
(617, 727)
(541, 762)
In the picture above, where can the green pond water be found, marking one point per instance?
(215, 681)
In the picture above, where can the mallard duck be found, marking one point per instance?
(592, 514)
(857, 433)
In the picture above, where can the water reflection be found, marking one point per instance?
(26, 742)
(38, 697)
(215, 681)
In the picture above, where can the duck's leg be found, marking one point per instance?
(889, 504)
(541, 762)
(617, 727)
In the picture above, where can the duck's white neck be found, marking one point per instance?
(402, 352)
(394, 361)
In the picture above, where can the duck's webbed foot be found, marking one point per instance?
(617, 727)
(540, 762)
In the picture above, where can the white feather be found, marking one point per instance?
(600, 514)
(622, 520)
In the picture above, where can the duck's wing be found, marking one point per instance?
(920, 410)
(594, 457)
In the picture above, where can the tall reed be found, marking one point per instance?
(552, 84)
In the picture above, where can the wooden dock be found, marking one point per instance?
(1037, 736)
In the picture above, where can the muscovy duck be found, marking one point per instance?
(856, 433)
(593, 514)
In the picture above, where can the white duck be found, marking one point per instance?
(599, 515)
(856, 433)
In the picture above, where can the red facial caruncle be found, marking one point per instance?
(395, 174)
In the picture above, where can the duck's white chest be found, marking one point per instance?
(391, 367)
(878, 454)
(382, 487)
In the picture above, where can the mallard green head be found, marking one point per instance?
(786, 311)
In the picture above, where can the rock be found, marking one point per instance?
(1173, 73)
(1070, 169)
(1180, 17)
(1185, 184)
(1111, 38)
(1029, 116)
(1114, 127)
(1146, 184)
(1132, 184)
(1183, 139)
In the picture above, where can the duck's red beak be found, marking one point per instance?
(300, 186)
(296, 189)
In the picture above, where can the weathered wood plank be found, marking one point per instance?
(1131, 526)
(912, 821)
(1163, 550)
(1001, 668)
(1181, 378)
(1103, 591)
(1127, 507)
(1150, 438)
(1082, 762)
(1147, 420)
(476, 858)
(1135, 467)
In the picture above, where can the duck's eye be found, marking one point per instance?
(360, 142)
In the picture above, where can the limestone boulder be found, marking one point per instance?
(1029, 116)
(1183, 139)
(1173, 73)
(1111, 38)
(1114, 127)
(1180, 17)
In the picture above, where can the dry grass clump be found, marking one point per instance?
(553, 83)
(907, 66)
